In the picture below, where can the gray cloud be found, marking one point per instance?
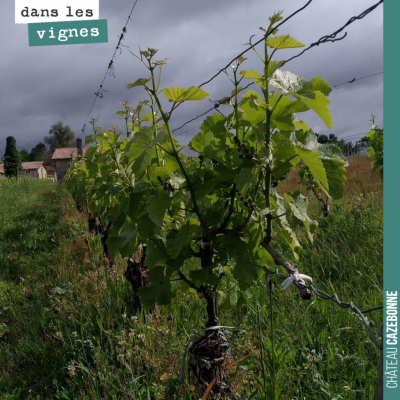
(42, 85)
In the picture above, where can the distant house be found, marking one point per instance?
(63, 157)
(51, 173)
(2, 174)
(34, 169)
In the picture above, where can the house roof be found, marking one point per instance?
(67, 153)
(49, 168)
(32, 165)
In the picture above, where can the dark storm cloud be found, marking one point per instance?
(43, 85)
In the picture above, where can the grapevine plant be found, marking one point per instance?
(222, 212)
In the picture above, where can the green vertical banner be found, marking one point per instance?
(68, 32)
(391, 200)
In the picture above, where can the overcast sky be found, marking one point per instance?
(43, 85)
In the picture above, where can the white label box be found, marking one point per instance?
(32, 11)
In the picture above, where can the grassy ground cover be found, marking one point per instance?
(66, 329)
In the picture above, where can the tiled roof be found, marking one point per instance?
(67, 153)
(32, 165)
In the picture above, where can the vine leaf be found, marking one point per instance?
(308, 140)
(244, 179)
(138, 82)
(254, 108)
(316, 84)
(155, 254)
(313, 162)
(159, 291)
(178, 240)
(141, 150)
(214, 123)
(124, 241)
(286, 81)
(177, 94)
(255, 75)
(336, 175)
(283, 42)
(319, 105)
(157, 206)
(273, 66)
(298, 205)
(312, 93)
(205, 276)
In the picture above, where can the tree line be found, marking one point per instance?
(59, 136)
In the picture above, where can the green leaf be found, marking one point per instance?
(276, 17)
(156, 254)
(239, 253)
(123, 113)
(299, 124)
(141, 150)
(286, 81)
(124, 240)
(159, 291)
(254, 108)
(177, 94)
(316, 84)
(255, 75)
(308, 140)
(254, 234)
(157, 207)
(211, 145)
(177, 241)
(312, 161)
(215, 124)
(283, 42)
(202, 140)
(245, 178)
(205, 276)
(283, 106)
(336, 175)
(284, 154)
(319, 105)
(299, 205)
(138, 82)
(273, 66)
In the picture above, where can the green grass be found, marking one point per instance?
(66, 330)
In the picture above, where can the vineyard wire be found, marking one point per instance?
(255, 44)
(332, 37)
(353, 137)
(216, 105)
(228, 98)
(357, 79)
(99, 93)
(319, 293)
(322, 40)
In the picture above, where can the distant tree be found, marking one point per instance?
(24, 155)
(12, 159)
(39, 152)
(332, 138)
(363, 142)
(60, 135)
(322, 138)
